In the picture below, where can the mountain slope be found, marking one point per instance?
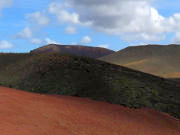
(25, 113)
(93, 52)
(154, 59)
(86, 77)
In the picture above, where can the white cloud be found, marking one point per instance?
(86, 40)
(172, 23)
(73, 43)
(38, 17)
(138, 44)
(63, 15)
(5, 4)
(36, 41)
(26, 33)
(123, 17)
(130, 19)
(176, 39)
(104, 46)
(70, 30)
(50, 41)
(142, 37)
(5, 44)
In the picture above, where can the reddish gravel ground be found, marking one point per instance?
(23, 113)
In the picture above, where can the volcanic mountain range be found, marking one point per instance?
(64, 74)
(160, 60)
(75, 71)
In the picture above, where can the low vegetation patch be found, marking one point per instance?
(86, 77)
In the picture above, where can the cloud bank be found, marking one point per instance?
(130, 19)
(5, 44)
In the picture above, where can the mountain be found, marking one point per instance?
(54, 73)
(24, 113)
(159, 60)
(93, 52)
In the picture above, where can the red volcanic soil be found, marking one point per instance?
(23, 113)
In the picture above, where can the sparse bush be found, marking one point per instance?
(85, 77)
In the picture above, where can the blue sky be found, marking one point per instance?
(28, 24)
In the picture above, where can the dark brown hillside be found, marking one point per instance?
(93, 52)
(154, 59)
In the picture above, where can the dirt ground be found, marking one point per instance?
(23, 113)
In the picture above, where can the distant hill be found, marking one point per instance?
(24, 113)
(154, 59)
(53, 73)
(93, 52)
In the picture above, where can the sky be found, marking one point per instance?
(113, 24)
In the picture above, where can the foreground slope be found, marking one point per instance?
(93, 52)
(85, 77)
(34, 114)
(154, 59)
